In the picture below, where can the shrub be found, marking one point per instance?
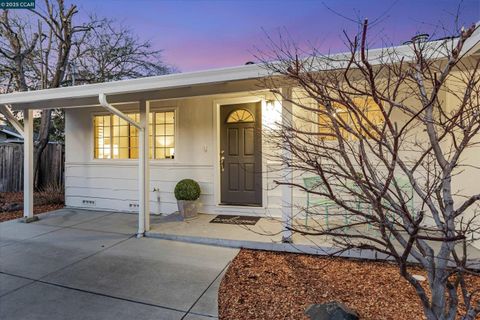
(187, 189)
(50, 194)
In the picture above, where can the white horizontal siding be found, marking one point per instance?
(129, 171)
(119, 184)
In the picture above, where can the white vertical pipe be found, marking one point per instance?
(287, 191)
(143, 176)
(141, 180)
(146, 105)
(28, 165)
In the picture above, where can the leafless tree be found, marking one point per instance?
(386, 135)
(47, 48)
(36, 52)
(112, 52)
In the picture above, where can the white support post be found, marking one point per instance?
(287, 190)
(144, 170)
(143, 160)
(28, 167)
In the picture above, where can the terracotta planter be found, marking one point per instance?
(188, 209)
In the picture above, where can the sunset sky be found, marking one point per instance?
(198, 35)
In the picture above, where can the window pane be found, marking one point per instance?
(133, 153)
(160, 117)
(160, 153)
(106, 152)
(169, 129)
(123, 143)
(115, 153)
(123, 131)
(369, 112)
(133, 131)
(240, 115)
(134, 142)
(160, 130)
(160, 141)
(170, 153)
(132, 116)
(169, 143)
(124, 153)
(116, 131)
(98, 121)
(169, 117)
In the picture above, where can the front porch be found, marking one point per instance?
(266, 234)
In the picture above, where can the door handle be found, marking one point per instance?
(222, 161)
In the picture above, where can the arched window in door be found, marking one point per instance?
(240, 115)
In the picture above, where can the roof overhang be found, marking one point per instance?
(150, 88)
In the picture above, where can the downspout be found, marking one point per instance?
(141, 161)
(102, 98)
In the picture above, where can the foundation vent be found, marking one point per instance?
(90, 203)
(133, 205)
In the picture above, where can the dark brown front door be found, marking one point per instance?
(240, 154)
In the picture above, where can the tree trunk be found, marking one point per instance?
(42, 141)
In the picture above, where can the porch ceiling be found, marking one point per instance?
(158, 94)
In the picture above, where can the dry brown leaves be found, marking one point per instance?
(17, 197)
(270, 285)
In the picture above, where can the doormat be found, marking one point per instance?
(227, 219)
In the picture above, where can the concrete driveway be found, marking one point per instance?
(75, 264)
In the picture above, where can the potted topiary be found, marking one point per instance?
(187, 191)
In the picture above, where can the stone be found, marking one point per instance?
(29, 219)
(419, 277)
(330, 311)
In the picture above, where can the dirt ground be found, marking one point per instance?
(43, 202)
(269, 285)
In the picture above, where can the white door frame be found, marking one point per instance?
(216, 142)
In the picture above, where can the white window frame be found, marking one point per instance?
(128, 111)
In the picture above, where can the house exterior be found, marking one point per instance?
(129, 142)
(189, 138)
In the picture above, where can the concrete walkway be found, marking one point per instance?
(75, 264)
(266, 235)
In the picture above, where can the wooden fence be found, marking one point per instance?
(11, 166)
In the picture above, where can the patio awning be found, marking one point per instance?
(150, 88)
